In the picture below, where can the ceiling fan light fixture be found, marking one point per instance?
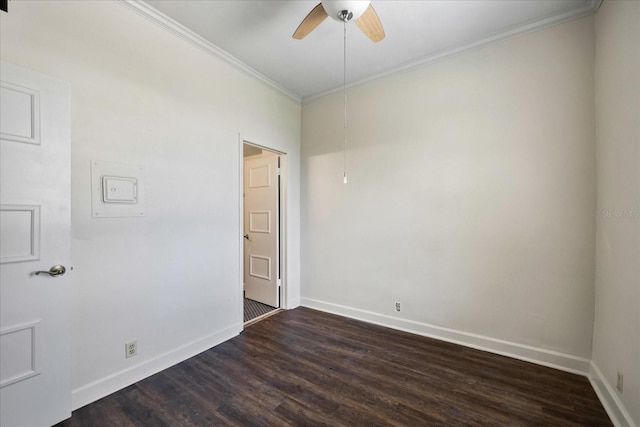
(355, 8)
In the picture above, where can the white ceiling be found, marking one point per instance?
(256, 34)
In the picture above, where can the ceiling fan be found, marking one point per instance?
(362, 12)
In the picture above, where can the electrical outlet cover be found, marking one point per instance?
(620, 382)
(131, 349)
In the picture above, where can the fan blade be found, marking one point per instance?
(370, 25)
(308, 24)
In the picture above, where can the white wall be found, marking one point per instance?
(471, 198)
(616, 337)
(141, 95)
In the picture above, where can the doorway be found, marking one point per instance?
(263, 229)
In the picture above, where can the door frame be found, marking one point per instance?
(282, 223)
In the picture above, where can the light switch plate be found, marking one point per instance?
(117, 190)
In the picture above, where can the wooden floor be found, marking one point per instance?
(307, 368)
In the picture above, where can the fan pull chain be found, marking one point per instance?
(344, 90)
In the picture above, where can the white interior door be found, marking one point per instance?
(261, 229)
(35, 333)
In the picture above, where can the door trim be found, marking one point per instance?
(282, 224)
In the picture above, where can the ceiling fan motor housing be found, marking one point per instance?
(345, 10)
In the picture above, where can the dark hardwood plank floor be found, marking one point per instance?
(308, 368)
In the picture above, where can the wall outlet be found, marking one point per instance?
(397, 306)
(620, 382)
(130, 349)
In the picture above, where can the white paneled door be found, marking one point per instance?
(35, 333)
(261, 229)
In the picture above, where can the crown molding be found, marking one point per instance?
(186, 34)
(590, 7)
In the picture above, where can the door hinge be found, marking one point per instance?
(279, 171)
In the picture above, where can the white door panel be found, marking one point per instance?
(35, 333)
(261, 229)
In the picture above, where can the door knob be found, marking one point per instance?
(56, 270)
(246, 236)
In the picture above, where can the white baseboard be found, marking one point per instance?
(105, 386)
(552, 359)
(609, 398)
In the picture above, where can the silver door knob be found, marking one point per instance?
(56, 270)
